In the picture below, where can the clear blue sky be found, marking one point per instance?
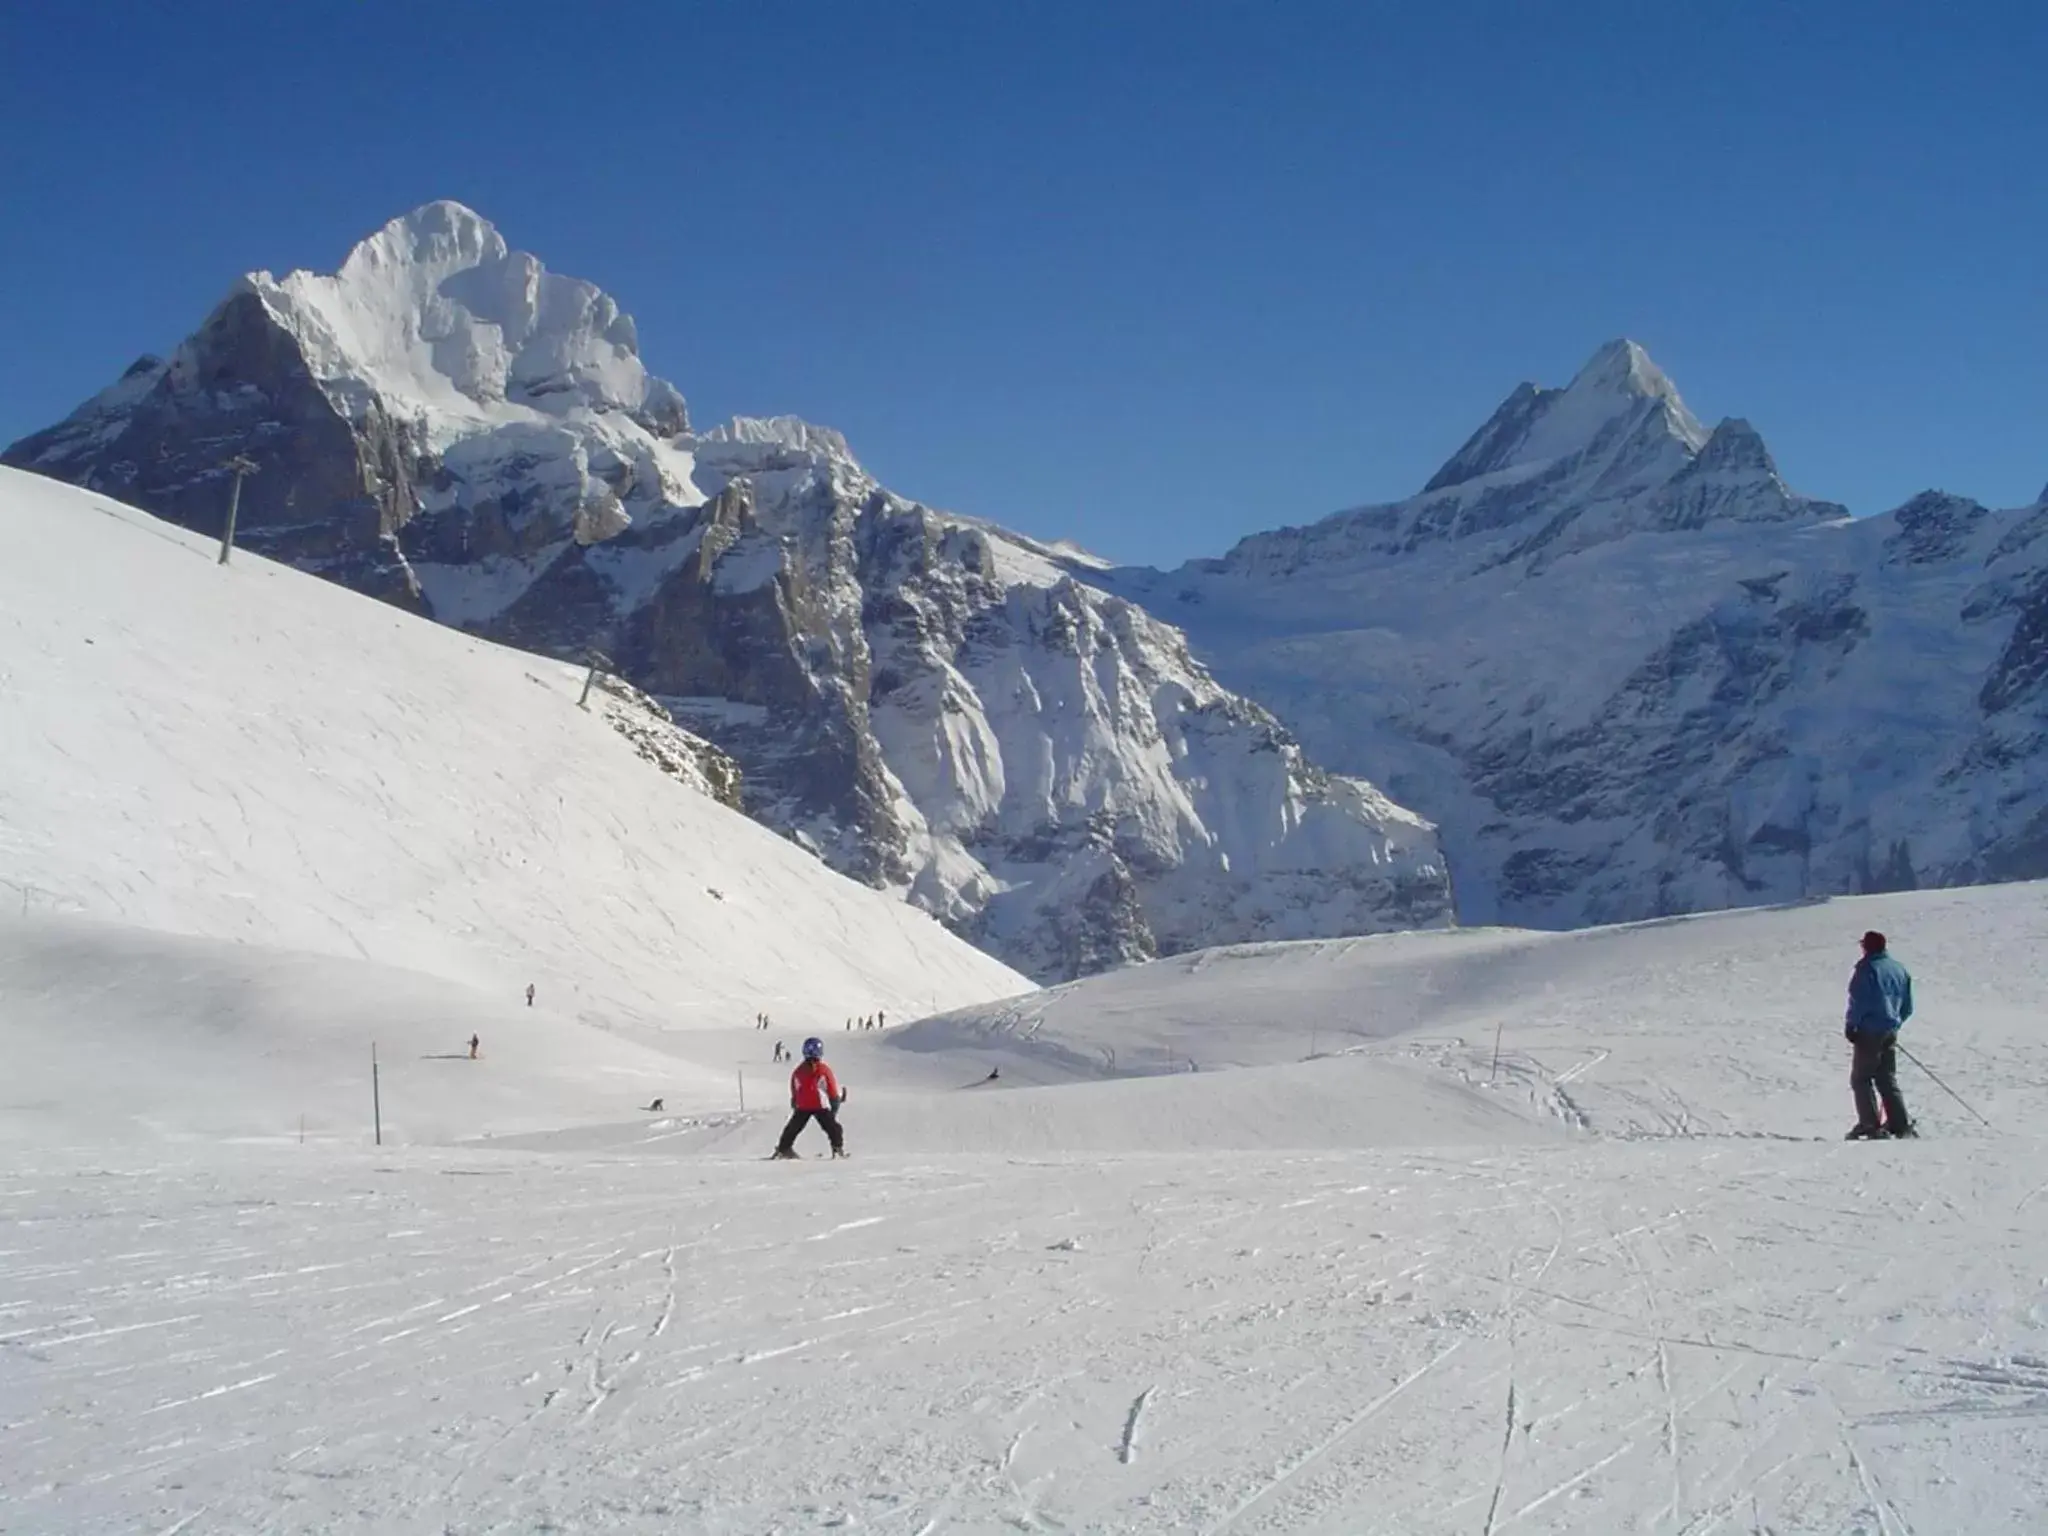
(1149, 275)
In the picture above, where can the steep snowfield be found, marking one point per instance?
(252, 754)
(1634, 1284)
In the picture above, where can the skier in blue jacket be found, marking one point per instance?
(1880, 1000)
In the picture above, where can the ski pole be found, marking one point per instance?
(1944, 1087)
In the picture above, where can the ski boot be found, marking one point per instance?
(782, 1155)
(1862, 1132)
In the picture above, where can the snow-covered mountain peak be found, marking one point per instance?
(435, 314)
(444, 234)
(1553, 473)
(1620, 418)
(1735, 450)
(1621, 367)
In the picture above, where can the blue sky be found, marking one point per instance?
(1148, 275)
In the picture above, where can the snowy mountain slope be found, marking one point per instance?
(1726, 1023)
(121, 1035)
(1659, 1316)
(246, 753)
(939, 708)
(1628, 672)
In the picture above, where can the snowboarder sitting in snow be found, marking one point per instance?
(814, 1094)
(1880, 1000)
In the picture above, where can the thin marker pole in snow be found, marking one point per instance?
(1944, 1087)
(1497, 1028)
(241, 464)
(376, 1096)
(742, 1074)
(595, 660)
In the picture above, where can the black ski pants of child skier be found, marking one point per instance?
(824, 1117)
(1874, 1076)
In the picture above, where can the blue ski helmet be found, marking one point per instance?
(813, 1048)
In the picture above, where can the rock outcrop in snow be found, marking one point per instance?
(935, 706)
(1630, 673)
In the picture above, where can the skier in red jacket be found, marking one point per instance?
(814, 1094)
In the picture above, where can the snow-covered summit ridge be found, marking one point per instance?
(791, 433)
(760, 445)
(1621, 416)
(435, 311)
(1614, 452)
(426, 420)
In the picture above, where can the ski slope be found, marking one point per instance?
(1631, 1281)
(118, 1035)
(248, 753)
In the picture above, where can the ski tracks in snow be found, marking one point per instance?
(1127, 1448)
(1601, 1336)
(1293, 1468)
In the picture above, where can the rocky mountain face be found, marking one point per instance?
(936, 706)
(1630, 673)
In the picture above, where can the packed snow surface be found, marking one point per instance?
(1255, 1240)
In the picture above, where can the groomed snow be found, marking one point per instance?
(1461, 1232)
(1635, 1283)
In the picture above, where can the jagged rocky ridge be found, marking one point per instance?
(936, 706)
(1630, 673)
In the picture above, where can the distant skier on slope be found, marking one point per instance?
(814, 1094)
(1880, 1000)
(529, 994)
(474, 1042)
